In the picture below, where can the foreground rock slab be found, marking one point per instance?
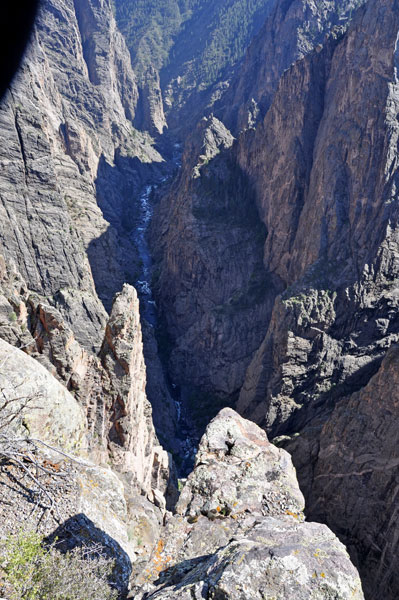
(239, 532)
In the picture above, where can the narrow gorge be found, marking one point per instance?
(199, 308)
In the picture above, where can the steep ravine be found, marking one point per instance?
(318, 173)
(173, 422)
(266, 269)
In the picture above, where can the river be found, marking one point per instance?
(140, 234)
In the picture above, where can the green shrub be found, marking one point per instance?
(30, 571)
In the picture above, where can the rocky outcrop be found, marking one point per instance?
(106, 417)
(239, 530)
(131, 435)
(49, 411)
(276, 559)
(115, 414)
(211, 139)
(150, 111)
(89, 504)
(237, 471)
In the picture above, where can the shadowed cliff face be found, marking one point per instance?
(320, 176)
(316, 180)
(355, 482)
(210, 282)
(332, 224)
(276, 258)
(69, 150)
(242, 289)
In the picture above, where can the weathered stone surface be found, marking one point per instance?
(277, 559)
(355, 477)
(237, 470)
(67, 116)
(242, 545)
(131, 436)
(320, 172)
(52, 413)
(212, 292)
(290, 32)
(93, 509)
(150, 110)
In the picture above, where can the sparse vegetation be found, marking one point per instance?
(162, 30)
(31, 571)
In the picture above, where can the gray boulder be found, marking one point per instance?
(277, 560)
(239, 532)
(237, 470)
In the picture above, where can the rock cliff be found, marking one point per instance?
(70, 155)
(276, 272)
(318, 176)
(219, 217)
(355, 474)
(184, 52)
(291, 30)
(110, 388)
(69, 146)
(90, 503)
(66, 121)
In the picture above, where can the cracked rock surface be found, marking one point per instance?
(227, 542)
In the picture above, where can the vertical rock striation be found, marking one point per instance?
(291, 30)
(213, 292)
(69, 147)
(355, 483)
(68, 114)
(320, 173)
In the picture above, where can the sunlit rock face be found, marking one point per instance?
(239, 530)
(66, 119)
(70, 146)
(275, 276)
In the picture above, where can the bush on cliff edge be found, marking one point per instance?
(31, 571)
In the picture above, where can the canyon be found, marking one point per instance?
(202, 263)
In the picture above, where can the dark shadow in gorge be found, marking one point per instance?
(113, 256)
(116, 258)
